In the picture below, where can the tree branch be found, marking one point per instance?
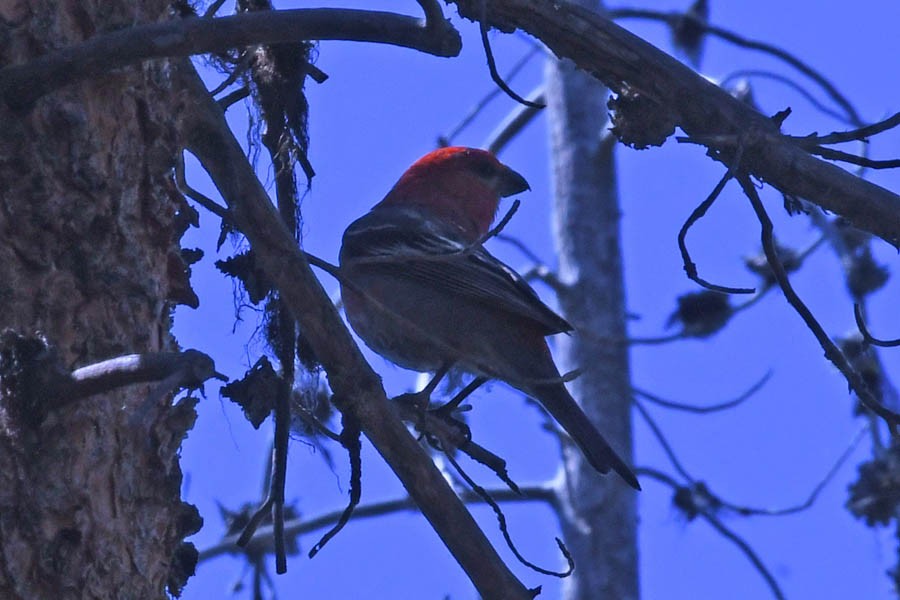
(263, 539)
(22, 85)
(620, 59)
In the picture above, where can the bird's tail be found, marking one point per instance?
(560, 404)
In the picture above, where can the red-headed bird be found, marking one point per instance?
(420, 290)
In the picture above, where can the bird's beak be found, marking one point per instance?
(509, 183)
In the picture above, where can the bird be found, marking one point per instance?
(420, 290)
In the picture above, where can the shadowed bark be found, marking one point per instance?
(88, 218)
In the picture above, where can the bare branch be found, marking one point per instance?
(832, 154)
(204, 201)
(661, 438)
(22, 85)
(705, 409)
(189, 368)
(447, 140)
(514, 122)
(492, 65)
(868, 337)
(504, 529)
(350, 440)
(689, 266)
(814, 494)
(832, 353)
(789, 82)
(862, 133)
(700, 108)
(263, 538)
(738, 40)
(237, 95)
(213, 9)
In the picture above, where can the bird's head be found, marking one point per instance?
(462, 186)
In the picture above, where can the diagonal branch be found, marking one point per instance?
(357, 388)
(622, 60)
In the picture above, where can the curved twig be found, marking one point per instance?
(689, 266)
(704, 409)
(350, 439)
(832, 352)
(656, 340)
(813, 495)
(868, 337)
(501, 519)
(784, 80)
(492, 64)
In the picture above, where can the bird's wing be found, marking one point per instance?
(401, 244)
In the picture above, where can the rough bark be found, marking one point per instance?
(89, 503)
(599, 519)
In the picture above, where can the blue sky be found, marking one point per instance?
(381, 109)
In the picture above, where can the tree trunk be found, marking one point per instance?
(599, 520)
(89, 219)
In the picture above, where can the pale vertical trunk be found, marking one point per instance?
(599, 521)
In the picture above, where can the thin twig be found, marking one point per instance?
(814, 494)
(862, 133)
(482, 104)
(213, 9)
(743, 42)
(656, 340)
(434, 14)
(832, 352)
(279, 473)
(868, 337)
(236, 71)
(189, 368)
(514, 122)
(204, 201)
(661, 438)
(832, 154)
(689, 266)
(305, 415)
(350, 439)
(520, 246)
(704, 409)
(303, 525)
(237, 95)
(787, 81)
(501, 519)
(492, 65)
